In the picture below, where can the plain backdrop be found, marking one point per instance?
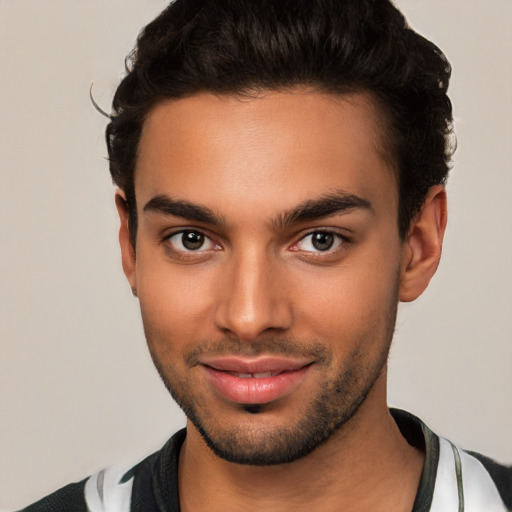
(77, 387)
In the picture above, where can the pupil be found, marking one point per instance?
(192, 240)
(323, 241)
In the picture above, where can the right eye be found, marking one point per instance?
(187, 241)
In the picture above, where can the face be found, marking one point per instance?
(267, 266)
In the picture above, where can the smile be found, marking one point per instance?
(259, 381)
(261, 375)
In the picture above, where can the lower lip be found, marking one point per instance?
(254, 391)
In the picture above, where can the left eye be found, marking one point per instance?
(320, 241)
(191, 241)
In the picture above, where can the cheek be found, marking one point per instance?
(174, 303)
(354, 303)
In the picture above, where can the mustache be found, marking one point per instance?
(274, 346)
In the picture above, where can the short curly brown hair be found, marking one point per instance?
(336, 46)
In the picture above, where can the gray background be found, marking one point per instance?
(77, 388)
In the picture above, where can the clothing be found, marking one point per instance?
(452, 480)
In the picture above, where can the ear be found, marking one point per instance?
(421, 251)
(127, 250)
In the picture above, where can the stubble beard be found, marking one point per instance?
(338, 401)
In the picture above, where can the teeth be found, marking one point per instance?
(261, 375)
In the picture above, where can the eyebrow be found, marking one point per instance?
(311, 209)
(196, 212)
(324, 206)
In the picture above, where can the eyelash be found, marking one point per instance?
(340, 241)
(187, 253)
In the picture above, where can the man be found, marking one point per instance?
(280, 169)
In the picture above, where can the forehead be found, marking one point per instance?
(268, 151)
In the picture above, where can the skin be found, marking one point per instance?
(259, 287)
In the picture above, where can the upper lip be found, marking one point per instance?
(261, 364)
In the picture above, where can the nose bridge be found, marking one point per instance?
(253, 301)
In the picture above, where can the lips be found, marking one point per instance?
(254, 381)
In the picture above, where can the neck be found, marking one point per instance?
(365, 465)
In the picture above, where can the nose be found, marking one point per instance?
(253, 299)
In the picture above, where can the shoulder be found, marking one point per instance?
(119, 489)
(71, 497)
(500, 474)
(452, 478)
(474, 479)
(106, 490)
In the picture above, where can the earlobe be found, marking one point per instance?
(127, 250)
(422, 250)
